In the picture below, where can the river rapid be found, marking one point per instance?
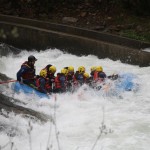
(84, 120)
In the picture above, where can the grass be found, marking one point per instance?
(145, 37)
(140, 29)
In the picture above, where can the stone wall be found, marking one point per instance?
(32, 34)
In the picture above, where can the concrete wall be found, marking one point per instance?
(32, 34)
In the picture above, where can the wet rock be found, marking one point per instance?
(6, 49)
(8, 104)
(3, 77)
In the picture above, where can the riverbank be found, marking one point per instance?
(114, 19)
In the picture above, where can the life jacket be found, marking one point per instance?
(30, 73)
(96, 77)
(70, 77)
(57, 81)
(78, 78)
(86, 80)
(37, 83)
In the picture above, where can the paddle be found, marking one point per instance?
(8, 81)
(3, 82)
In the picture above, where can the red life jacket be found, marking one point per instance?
(47, 86)
(75, 82)
(97, 78)
(30, 74)
(85, 80)
(57, 82)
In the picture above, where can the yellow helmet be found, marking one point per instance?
(52, 69)
(43, 73)
(99, 68)
(70, 69)
(93, 68)
(86, 75)
(81, 69)
(64, 71)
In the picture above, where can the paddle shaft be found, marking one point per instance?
(13, 81)
(8, 81)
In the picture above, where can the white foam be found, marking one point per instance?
(80, 115)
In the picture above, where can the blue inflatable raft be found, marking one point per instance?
(126, 82)
(17, 87)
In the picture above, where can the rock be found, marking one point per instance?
(139, 28)
(98, 28)
(69, 20)
(109, 18)
(80, 7)
(9, 105)
(83, 14)
(93, 14)
(5, 50)
(3, 77)
(43, 15)
(87, 22)
(126, 26)
(113, 28)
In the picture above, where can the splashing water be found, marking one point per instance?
(79, 116)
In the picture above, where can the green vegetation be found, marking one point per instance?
(127, 17)
(134, 35)
(134, 27)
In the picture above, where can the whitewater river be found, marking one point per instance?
(79, 116)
